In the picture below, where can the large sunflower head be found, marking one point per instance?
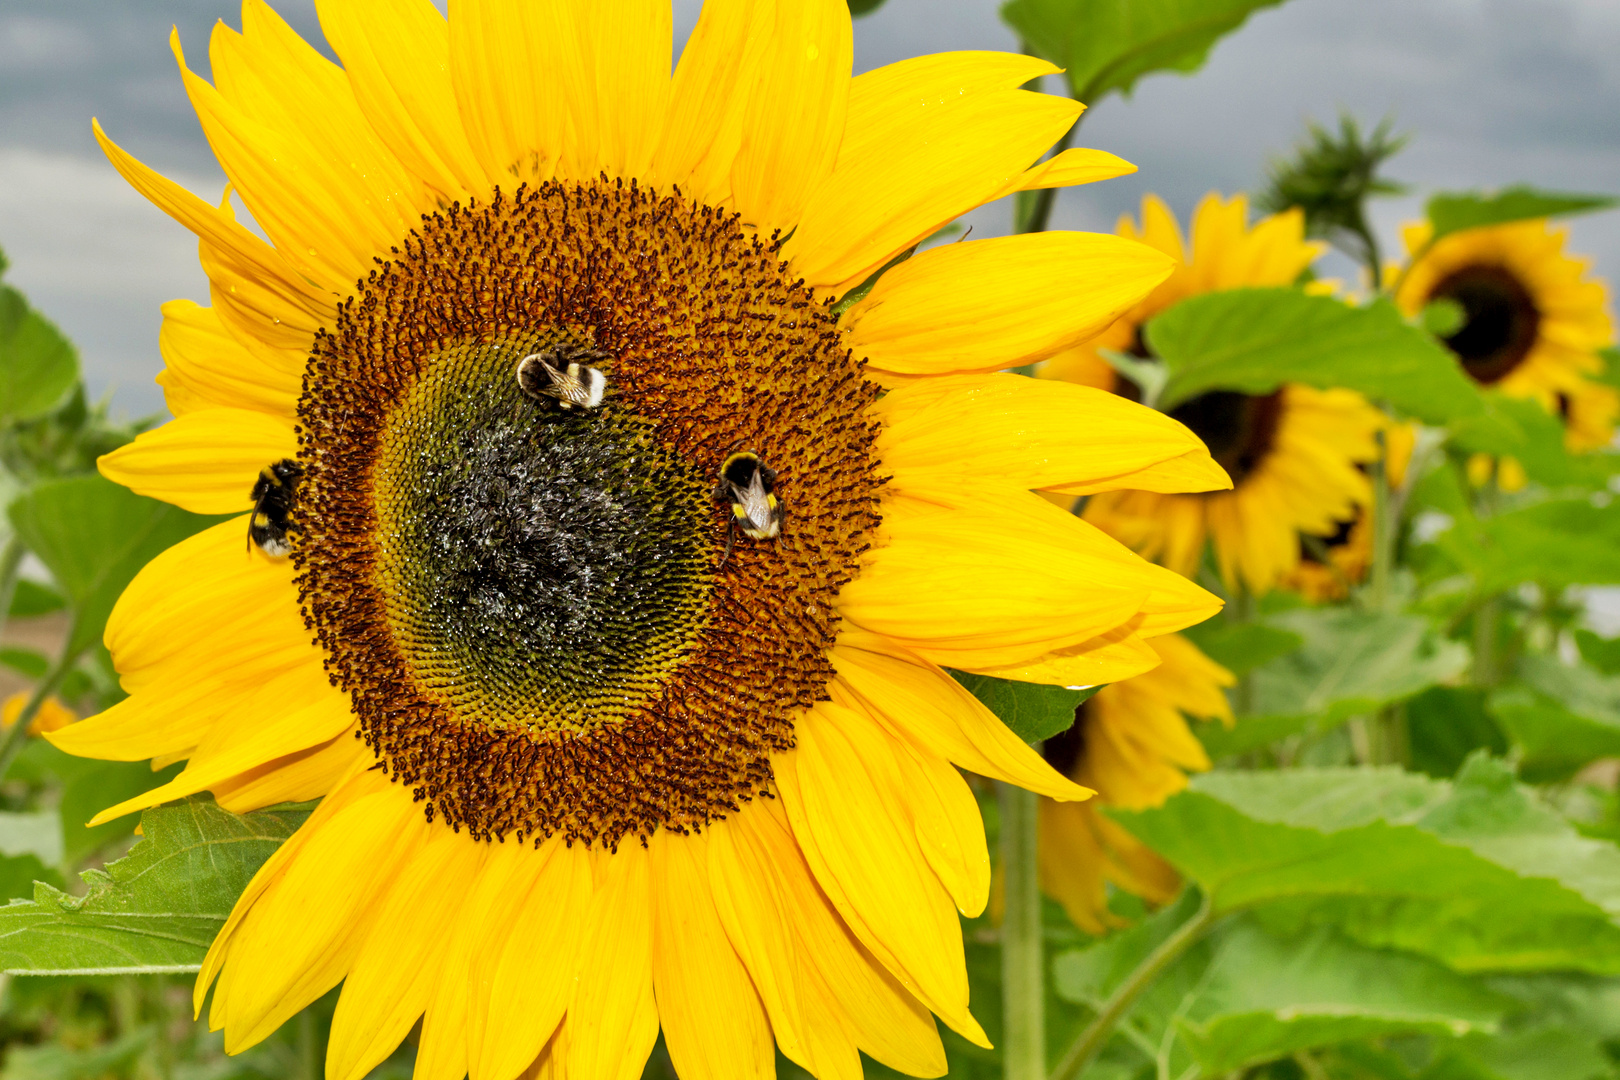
(1131, 744)
(1532, 319)
(583, 568)
(1292, 454)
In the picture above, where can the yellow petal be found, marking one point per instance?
(935, 161)
(612, 1019)
(796, 111)
(839, 788)
(932, 709)
(396, 54)
(298, 777)
(285, 128)
(713, 1021)
(290, 950)
(970, 588)
(1107, 658)
(994, 304)
(708, 101)
(204, 359)
(1073, 166)
(280, 730)
(516, 68)
(294, 300)
(1034, 433)
(205, 462)
(527, 999)
(392, 977)
(949, 828)
(630, 43)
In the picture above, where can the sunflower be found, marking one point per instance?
(1331, 564)
(1130, 744)
(1533, 320)
(616, 602)
(1292, 454)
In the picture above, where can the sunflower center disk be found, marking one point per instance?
(549, 568)
(1239, 429)
(1500, 321)
(526, 602)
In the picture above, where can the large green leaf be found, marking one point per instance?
(1351, 663)
(158, 908)
(1252, 996)
(1106, 45)
(1034, 711)
(1242, 647)
(94, 536)
(1254, 340)
(37, 364)
(1445, 724)
(1522, 429)
(1556, 543)
(1454, 211)
(1475, 872)
(1561, 717)
(1601, 652)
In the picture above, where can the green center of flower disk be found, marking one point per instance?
(1500, 320)
(531, 606)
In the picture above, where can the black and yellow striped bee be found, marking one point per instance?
(273, 495)
(749, 485)
(562, 376)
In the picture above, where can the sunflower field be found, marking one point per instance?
(628, 585)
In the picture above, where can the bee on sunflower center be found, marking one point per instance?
(749, 485)
(274, 494)
(560, 374)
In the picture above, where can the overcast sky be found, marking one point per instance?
(1493, 92)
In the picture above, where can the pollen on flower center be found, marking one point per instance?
(527, 603)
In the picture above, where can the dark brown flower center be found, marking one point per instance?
(1500, 320)
(1239, 429)
(525, 600)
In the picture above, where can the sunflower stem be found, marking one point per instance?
(17, 736)
(1023, 993)
(11, 557)
(1096, 1034)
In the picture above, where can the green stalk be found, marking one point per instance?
(1096, 1034)
(1023, 993)
(11, 557)
(17, 737)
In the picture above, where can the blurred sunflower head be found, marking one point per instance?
(1531, 320)
(1292, 454)
(588, 578)
(1131, 744)
(1331, 564)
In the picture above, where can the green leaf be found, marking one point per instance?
(158, 908)
(1454, 211)
(37, 364)
(1561, 718)
(857, 8)
(33, 598)
(1474, 873)
(94, 536)
(1264, 997)
(1242, 647)
(29, 663)
(1107, 45)
(1254, 340)
(1545, 1053)
(37, 833)
(1351, 663)
(1445, 724)
(1522, 429)
(1601, 652)
(1034, 711)
(1554, 543)
(19, 872)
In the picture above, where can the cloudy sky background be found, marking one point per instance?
(1493, 91)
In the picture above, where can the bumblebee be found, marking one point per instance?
(568, 381)
(749, 485)
(273, 495)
